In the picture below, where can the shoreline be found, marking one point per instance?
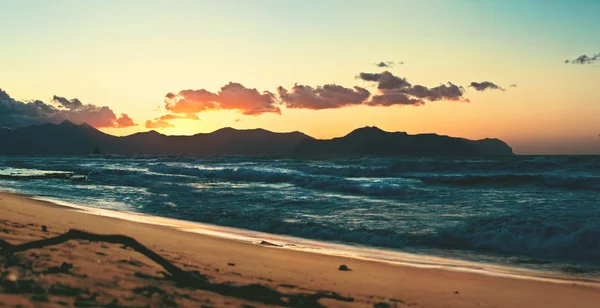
(328, 248)
(114, 273)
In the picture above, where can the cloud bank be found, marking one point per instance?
(391, 90)
(14, 114)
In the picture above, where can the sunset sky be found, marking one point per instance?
(136, 58)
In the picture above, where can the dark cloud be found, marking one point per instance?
(585, 59)
(15, 113)
(232, 96)
(325, 97)
(158, 124)
(390, 98)
(485, 85)
(447, 91)
(374, 77)
(513, 85)
(388, 63)
(385, 80)
(394, 90)
(69, 104)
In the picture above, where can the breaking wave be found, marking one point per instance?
(522, 235)
(33, 174)
(362, 186)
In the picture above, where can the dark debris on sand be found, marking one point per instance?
(185, 280)
(265, 243)
(64, 268)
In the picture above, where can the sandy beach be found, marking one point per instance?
(82, 272)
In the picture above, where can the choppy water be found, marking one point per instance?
(539, 212)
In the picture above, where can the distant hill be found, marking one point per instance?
(71, 139)
(374, 141)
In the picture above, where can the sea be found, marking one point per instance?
(540, 214)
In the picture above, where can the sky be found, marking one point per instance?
(463, 68)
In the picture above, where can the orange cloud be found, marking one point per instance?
(162, 121)
(191, 101)
(124, 121)
(168, 117)
(158, 124)
(232, 96)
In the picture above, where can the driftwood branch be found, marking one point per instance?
(82, 235)
(253, 292)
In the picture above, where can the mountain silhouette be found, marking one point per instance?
(68, 138)
(374, 141)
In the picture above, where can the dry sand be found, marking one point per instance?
(229, 273)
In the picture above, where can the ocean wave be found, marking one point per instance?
(521, 235)
(32, 174)
(347, 171)
(522, 167)
(566, 181)
(504, 236)
(479, 165)
(556, 179)
(362, 186)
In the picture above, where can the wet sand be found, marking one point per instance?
(225, 272)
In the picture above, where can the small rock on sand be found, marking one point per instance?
(343, 267)
(231, 264)
(44, 228)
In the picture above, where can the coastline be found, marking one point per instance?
(333, 249)
(369, 282)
